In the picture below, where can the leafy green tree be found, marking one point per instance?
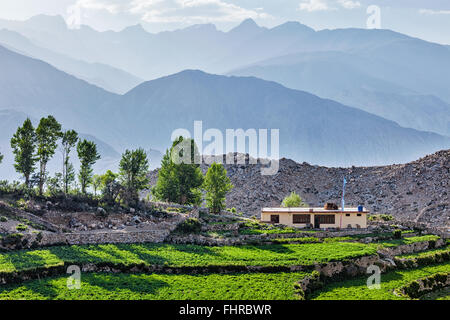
(23, 144)
(293, 201)
(69, 179)
(69, 141)
(48, 133)
(167, 188)
(180, 177)
(55, 184)
(133, 172)
(110, 186)
(88, 155)
(96, 183)
(216, 185)
(1, 157)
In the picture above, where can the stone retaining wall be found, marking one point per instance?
(426, 285)
(411, 248)
(339, 270)
(156, 236)
(245, 239)
(428, 259)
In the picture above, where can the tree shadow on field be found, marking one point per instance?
(196, 249)
(42, 287)
(23, 260)
(143, 284)
(275, 248)
(143, 253)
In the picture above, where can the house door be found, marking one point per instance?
(316, 222)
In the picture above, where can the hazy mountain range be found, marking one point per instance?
(383, 72)
(105, 76)
(345, 78)
(373, 78)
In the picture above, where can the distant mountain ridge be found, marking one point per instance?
(315, 130)
(104, 76)
(344, 77)
(38, 89)
(402, 76)
(312, 129)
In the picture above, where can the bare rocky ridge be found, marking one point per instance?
(416, 191)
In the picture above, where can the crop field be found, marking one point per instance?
(185, 255)
(356, 289)
(215, 284)
(425, 253)
(96, 286)
(397, 242)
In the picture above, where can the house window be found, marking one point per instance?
(301, 218)
(326, 218)
(347, 214)
(359, 214)
(275, 218)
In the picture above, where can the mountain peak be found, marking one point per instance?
(293, 26)
(47, 22)
(135, 29)
(246, 25)
(201, 27)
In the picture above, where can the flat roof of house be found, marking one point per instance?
(312, 210)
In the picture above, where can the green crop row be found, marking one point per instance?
(410, 240)
(357, 289)
(95, 286)
(185, 255)
(424, 254)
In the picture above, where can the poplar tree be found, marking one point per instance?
(23, 144)
(180, 177)
(69, 141)
(133, 172)
(88, 155)
(216, 185)
(48, 133)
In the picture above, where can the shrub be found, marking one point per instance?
(21, 227)
(397, 234)
(293, 200)
(3, 219)
(191, 225)
(381, 217)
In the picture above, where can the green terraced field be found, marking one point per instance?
(398, 242)
(95, 286)
(424, 253)
(185, 255)
(356, 289)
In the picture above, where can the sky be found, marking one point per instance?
(425, 19)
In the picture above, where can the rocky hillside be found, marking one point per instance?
(417, 191)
